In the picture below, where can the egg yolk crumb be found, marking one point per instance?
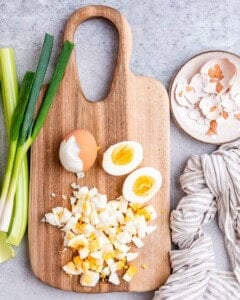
(87, 279)
(122, 155)
(143, 185)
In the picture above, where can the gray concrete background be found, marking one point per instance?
(165, 35)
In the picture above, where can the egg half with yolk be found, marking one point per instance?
(142, 185)
(78, 151)
(122, 158)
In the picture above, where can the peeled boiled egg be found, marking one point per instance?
(78, 151)
(142, 184)
(122, 158)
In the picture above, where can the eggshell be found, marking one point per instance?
(221, 71)
(88, 147)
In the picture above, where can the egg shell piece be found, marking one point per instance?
(129, 182)
(210, 107)
(223, 70)
(196, 115)
(229, 105)
(118, 170)
(180, 93)
(198, 82)
(191, 96)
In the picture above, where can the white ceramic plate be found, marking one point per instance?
(228, 130)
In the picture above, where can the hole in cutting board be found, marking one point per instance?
(96, 53)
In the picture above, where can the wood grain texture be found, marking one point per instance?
(136, 108)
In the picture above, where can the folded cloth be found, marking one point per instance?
(211, 183)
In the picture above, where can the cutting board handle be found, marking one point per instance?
(124, 34)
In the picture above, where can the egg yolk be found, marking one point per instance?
(87, 279)
(122, 155)
(143, 185)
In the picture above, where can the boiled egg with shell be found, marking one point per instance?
(122, 158)
(78, 151)
(142, 184)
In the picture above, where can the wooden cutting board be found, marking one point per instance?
(136, 108)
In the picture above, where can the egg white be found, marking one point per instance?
(128, 184)
(69, 155)
(117, 170)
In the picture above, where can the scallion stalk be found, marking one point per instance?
(37, 84)
(9, 87)
(30, 128)
(23, 188)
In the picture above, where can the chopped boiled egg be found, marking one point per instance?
(131, 271)
(78, 151)
(71, 269)
(100, 234)
(122, 158)
(137, 242)
(131, 256)
(148, 212)
(150, 229)
(113, 278)
(77, 242)
(105, 272)
(89, 278)
(124, 237)
(84, 252)
(142, 184)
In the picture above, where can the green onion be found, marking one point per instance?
(20, 212)
(39, 78)
(9, 86)
(23, 97)
(53, 87)
(30, 128)
(26, 118)
(19, 219)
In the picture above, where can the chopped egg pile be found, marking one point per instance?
(212, 95)
(101, 233)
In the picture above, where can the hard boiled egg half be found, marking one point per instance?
(78, 151)
(122, 158)
(142, 184)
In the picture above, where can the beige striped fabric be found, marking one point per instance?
(211, 183)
